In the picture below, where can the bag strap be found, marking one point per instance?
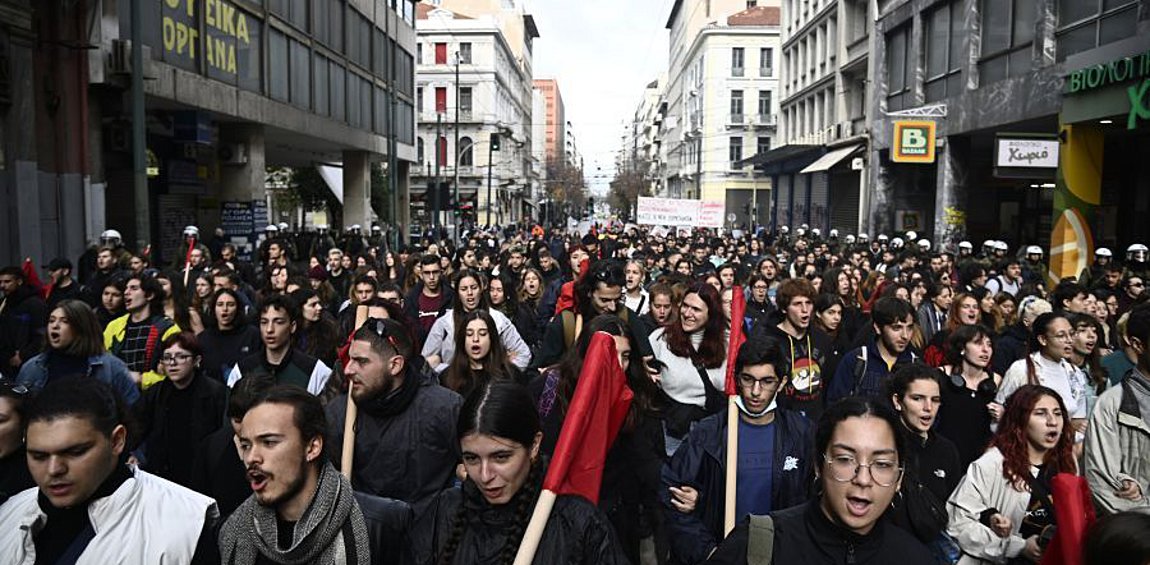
(860, 370)
(760, 540)
(1031, 371)
(550, 388)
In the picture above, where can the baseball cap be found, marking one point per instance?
(58, 263)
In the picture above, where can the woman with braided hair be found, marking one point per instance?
(482, 521)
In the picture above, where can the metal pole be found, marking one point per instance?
(489, 167)
(139, 133)
(438, 164)
(458, 219)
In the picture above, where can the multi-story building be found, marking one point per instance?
(1042, 133)
(642, 145)
(555, 120)
(474, 94)
(722, 99)
(232, 87)
(817, 175)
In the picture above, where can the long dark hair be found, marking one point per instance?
(457, 303)
(712, 351)
(504, 410)
(179, 296)
(641, 385)
(459, 376)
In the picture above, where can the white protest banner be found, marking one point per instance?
(667, 212)
(710, 215)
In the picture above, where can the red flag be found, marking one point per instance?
(738, 311)
(30, 277)
(593, 420)
(1074, 514)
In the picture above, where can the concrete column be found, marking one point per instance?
(356, 188)
(879, 213)
(403, 213)
(244, 183)
(950, 198)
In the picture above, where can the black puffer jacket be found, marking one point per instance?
(804, 534)
(577, 532)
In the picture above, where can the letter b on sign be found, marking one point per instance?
(913, 142)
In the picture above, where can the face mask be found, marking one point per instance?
(743, 408)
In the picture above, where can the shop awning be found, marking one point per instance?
(830, 159)
(777, 154)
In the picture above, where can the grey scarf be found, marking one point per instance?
(331, 532)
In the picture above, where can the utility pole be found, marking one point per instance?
(490, 164)
(438, 157)
(139, 134)
(457, 220)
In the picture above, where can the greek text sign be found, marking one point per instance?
(680, 213)
(1028, 153)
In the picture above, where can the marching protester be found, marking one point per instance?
(470, 296)
(135, 337)
(279, 318)
(228, 336)
(969, 410)
(14, 475)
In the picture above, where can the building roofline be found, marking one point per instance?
(674, 12)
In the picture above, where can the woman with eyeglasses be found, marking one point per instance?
(968, 410)
(1051, 345)
(175, 414)
(229, 337)
(75, 347)
(14, 475)
(1003, 509)
(859, 470)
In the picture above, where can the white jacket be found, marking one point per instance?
(680, 378)
(441, 340)
(146, 520)
(983, 488)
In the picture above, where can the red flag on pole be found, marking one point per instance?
(31, 278)
(1074, 514)
(593, 419)
(738, 311)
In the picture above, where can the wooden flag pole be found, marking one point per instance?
(732, 463)
(348, 455)
(534, 532)
(188, 261)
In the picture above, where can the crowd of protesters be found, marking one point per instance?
(897, 402)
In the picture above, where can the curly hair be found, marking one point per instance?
(1011, 438)
(712, 351)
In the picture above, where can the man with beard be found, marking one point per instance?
(301, 509)
(136, 336)
(63, 286)
(804, 348)
(89, 507)
(405, 442)
(23, 317)
(864, 370)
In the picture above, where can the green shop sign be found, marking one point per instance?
(1133, 68)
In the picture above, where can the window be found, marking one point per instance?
(419, 156)
(465, 53)
(764, 145)
(418, 53)
(737, 105)
(441, 99)
(278, 65)
(942, 39)
(1007, 36)
(897, 62)
(465, 100)
(766, 61)
(419, 99)
(338, 91)
(1086, 24)
(752, 4)
(379, 125)
(466, 152)
(764, 104)
(441, 154)
(294, 11)
(440, 53)
(300, 75)
(735, 151)
(737, 57)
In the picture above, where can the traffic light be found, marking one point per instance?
(495, 142)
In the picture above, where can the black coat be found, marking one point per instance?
(576, 533)
(388, 523)
(208, 402)
(700, 462)
(1009, 347)
(804, 534)
(23, 321)
(218, 472)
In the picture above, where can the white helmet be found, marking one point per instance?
(882, 238)
(805, 227)
(272, 228)
(911, 235)
(784, 230)
(111, 237)
(896, 243)
(815, 232)
(1137, 252)
(833, 233)
(376, 229)
(283, 226)
(863, 237)
(355, 227)
(1033, 250)
(1001, 246)
(850, 239)
(192, 231)
(965, 245)
(1103, 252)
(800, 232)
(924, 244)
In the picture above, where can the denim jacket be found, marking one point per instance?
(105, 366)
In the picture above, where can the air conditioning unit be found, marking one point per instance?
(120, 58)
(233, 154)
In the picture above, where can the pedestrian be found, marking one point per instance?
(481, 356)
(110, 304)
(805, 348)
(470, 295)
(863, 371)
(22, 319)
(1051, 345)
(318, 335)
(428, 299)
(844, 522)
(405, 443)
(775, 459)
(89, 506)
(14, 475)
(279, 319)
(969, 411)
(135, 337)
(1003, 509)
(179, 411)
(1012, 344)
(75, 347)
(965, 310)
(484, 519)
(60, 282)
(228, 336)
(301, 509)
(177, 306)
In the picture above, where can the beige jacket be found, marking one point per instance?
(983, 488)
(1117, 449)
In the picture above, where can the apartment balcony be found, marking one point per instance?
(736, 120)
(766, 120)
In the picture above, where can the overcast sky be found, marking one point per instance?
(602, 52)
